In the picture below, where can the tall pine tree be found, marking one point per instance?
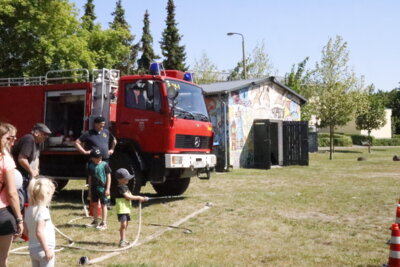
(148, 54)
(89, 17)
(174, 54)
(121, 25)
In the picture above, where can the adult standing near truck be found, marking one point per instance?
(26, 155)
(98, 137)
(10, 215)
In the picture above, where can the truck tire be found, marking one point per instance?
(122, 159)
(172, 187)
(60, 184)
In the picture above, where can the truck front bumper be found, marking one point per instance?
(193, 161)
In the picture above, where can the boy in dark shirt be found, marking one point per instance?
(123, 203)
(99, 174)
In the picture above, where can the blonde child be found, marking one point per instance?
(123, 203)
(42, 240)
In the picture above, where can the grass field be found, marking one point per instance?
(330, 213)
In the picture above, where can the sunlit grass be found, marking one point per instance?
(331, 213)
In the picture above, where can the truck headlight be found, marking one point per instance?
(177, 160)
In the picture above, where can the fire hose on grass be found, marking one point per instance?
(112, 252)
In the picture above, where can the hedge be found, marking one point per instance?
(338, 140)
(358, 139)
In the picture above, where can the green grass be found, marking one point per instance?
(331, 213)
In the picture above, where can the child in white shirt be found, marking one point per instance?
(42, 240)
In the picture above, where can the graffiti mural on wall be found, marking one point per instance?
(244, 106)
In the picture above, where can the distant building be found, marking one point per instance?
(350, 128)
(250, 119)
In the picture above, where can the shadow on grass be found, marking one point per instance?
(156, 199)
(76, 225)
(340, 151)
(348, 151)
(65, 206)
(378, 149)
(72, 196)
(96, 243)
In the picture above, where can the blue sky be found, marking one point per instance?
(290, 29)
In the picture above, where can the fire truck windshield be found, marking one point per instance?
(189, 103)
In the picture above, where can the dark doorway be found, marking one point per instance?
(262, 144)
(295, 142)
(274, 143)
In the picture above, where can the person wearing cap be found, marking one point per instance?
(99, 174)
(97, 137)
(123, 203)
(26, 155)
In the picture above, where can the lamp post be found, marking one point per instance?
(244, 56)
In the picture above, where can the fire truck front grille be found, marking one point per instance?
(191, 141)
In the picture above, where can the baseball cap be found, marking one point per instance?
(99, 119)
(95, 153)
(42, 127)
(123, 174)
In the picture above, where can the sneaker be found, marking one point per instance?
(123, 243)
(94, 223)
(101, 226)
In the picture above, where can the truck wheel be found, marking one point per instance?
(125, 160)
(172, 187)
(60, 184)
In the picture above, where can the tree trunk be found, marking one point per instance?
(331, 134)
(369, 141)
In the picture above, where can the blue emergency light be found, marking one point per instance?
(155, 69)
(188, 77)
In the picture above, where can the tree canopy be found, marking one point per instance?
(373, 116)
(148, 55)
(336, 94)
(38, 36)
(174, 53)
(204, 70)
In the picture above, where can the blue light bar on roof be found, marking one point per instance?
(188, 77)
(155, 69)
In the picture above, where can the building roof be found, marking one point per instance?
(226, 87)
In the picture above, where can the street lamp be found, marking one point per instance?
(244, 56)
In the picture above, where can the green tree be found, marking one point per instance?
(36, 36)
(295, 79)
(174, 53)
(392, 100)
(299, 80)
(373, 116)
(89, 16)
(258, 65)
(204, 70)
(336, 92)
(128, 55)
(148, 54)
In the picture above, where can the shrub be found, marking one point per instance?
(358, 139)
(386, 142)
(338, 140)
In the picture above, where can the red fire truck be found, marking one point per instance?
(160, 120)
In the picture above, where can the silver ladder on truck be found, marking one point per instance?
(104, 93)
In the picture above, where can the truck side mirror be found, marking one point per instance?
(172, 92)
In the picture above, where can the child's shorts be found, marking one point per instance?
(98, 193)
(124, 217)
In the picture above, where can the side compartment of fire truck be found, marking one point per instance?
(64, 115)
